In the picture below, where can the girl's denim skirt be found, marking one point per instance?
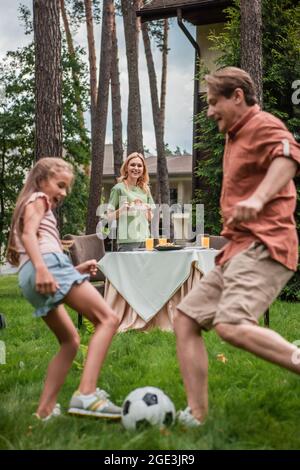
(64, 273)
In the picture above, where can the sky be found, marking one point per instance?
(179, 101)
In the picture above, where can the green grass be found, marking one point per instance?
(253, 405)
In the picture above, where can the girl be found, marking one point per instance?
(48, 279)
(132, 200)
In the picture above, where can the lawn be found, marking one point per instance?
(253, 405)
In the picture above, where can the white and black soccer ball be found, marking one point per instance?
(147, 405)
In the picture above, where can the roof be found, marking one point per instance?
(177, 165)
(196, 11)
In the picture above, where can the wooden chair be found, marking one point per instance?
(217, 242)
(82, 248)
(2, 321)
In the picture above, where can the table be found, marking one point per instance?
(144, 287)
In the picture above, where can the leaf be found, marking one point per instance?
(222, 358)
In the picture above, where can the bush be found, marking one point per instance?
(291, 292)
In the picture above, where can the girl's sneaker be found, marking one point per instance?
(186, 418)
(96, 404)
(54, 413)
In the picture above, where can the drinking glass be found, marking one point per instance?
(149, 243)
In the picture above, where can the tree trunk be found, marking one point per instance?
(92, 57)
(164, 69)
(92, 65)
(71, 51)
(48, 79)
(3, 190)
(163, 89)
(134, 119)
(116, 104)
(162, 169)
(251, 42)
(98, 139)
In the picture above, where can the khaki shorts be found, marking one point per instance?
(239, 291)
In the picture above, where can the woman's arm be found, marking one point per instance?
(33, 214)
(112, 215)
(116, 200)
(148, 213)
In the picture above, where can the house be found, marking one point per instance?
(179, 169)
(206, 15)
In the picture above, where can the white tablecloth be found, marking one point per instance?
(147, 280)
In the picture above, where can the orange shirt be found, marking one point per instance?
(251, 145)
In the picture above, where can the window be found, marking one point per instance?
(173, 196)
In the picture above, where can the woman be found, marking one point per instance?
(132, 200)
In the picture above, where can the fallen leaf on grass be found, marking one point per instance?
(222, 358)
(164, 432)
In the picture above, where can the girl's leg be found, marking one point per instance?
(62, 326)
(85, 299)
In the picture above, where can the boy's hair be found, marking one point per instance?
(44, 169)
(224, 81)
(143, 181)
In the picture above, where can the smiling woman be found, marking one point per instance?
(131, 202)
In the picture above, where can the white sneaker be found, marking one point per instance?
(54, 413)
(185, 417)
(95, 404)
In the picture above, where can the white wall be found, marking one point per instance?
(208, 55)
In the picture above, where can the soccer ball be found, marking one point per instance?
(147, 405)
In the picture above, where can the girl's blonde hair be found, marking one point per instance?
(44, 169)
(143, 181)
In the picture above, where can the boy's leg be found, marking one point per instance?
(62, 326)
(193, 362)
(262, 342)
(195, 313)
(252, 280)
(85, 299)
